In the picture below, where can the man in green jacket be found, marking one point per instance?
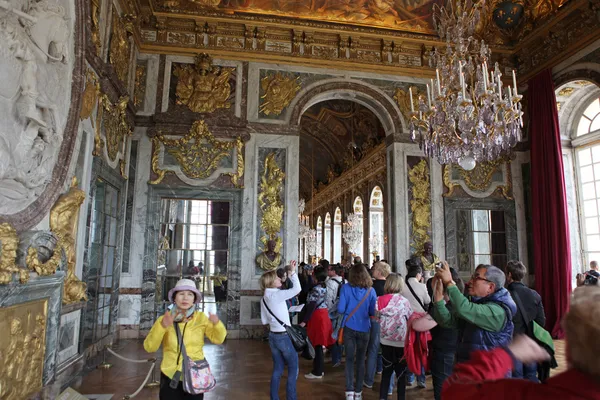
(486, 320)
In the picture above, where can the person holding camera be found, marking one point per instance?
(591, 277)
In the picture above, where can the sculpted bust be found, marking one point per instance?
(269, 259)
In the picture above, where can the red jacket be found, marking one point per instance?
(481, 378)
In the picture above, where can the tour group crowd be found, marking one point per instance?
(480, 339)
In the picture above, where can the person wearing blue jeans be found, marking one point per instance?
(525, 371)
(283, 354)
(374, 359)
(410, 379)
(355, 343)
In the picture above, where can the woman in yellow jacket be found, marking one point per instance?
(192, 326)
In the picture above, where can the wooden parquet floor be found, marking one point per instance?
(243, 370)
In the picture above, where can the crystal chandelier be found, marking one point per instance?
(466, 117)
(352, 231)
(311, 242)
(303, 220)
(375, 244)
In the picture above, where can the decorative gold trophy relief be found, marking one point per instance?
(402, 98)
(203, 88)
(22, 348)
(420, 204)
(278, 91)
(9, 243)
(116, 126)
(198, 153)
(480, 178)
(119, 47)
(90, 95)
(236, 177)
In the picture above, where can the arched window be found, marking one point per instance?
(358, 210)
(319, 237)
(376, 224)
(337, 236)
(579, 117)
(327, 238)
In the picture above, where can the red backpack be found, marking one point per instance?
(416, 351)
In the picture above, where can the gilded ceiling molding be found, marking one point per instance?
(420, 204)
(198, 154)
(480, 181)
(278, 91)
(120, 48)
(269, 200)
(202, 87)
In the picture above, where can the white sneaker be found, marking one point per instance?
(358, 396)
(350, 395)
(311, 376)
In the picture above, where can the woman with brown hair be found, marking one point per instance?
(357, 304)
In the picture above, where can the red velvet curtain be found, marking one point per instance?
(551, 247)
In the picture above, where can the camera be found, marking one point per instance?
(438, 265)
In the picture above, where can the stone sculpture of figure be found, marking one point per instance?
(428, 259)
(269, 260)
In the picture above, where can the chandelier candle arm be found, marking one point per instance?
(412, 105)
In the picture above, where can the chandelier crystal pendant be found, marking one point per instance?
(311, 242)
(467, 116)
(352, 232)
(375, 244)
(303, 220)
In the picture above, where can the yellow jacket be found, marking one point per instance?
(193, 339)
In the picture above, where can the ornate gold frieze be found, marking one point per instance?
(420, 204)
(203, 87)
(64, 217)
(278, 91)
(198, 153)
(480, 178)
(22, 348)
(236, 177)
(269, 201)
(90, 95)
(140, 85)
(9, 243)
(116, 126)
(120, 47)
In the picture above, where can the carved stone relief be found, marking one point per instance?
(36, 60)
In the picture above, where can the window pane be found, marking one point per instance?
(596, 153)
(587, 174)
(597, 171)
(583, 127)
(593, 242)
(592, 109)
(481, 220)
(482, 259)
(589, 208)
(481, 243)
(588, 190)
(595, 124)
(591, 225)
(585, 158)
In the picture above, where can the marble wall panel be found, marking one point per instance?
(129, 309)
(250, 310)
(250, 220)
(154, 197)
(38, 288)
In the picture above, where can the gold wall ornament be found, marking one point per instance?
(140, 85)
(236, 177)
(120, 47)
(279, 90)
(116, 126)
(403, 100)
(95, 14)
(198, 153)
(22, 349)
(420, 204)
(9, 243)
(90, 95)
(269, 200)
(203, 87)
(480, 178)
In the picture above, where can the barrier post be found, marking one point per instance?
(153, 383)
(104, 364)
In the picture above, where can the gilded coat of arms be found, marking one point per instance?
(203, 87)
(279, 90)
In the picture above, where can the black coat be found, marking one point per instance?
(532, 302)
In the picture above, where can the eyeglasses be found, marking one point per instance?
(476, 277)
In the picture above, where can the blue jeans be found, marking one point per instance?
(374, 360)
(336, 353)
(355, 344)
(525, 371)
(283, 353)
(441, 368)
(410, 377)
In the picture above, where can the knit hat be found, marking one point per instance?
(185, 284)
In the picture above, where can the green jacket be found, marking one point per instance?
(488, 316)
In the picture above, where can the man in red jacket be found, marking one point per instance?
(481, 377)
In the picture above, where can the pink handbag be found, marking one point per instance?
(197, 376)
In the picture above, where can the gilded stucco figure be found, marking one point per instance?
(90, 95)
(120, 48)
(203, 88)
(236, 177)
(198, 153)
(116, 127)
(271, 205)
(420, 204)
(278, 91)
(9, 243)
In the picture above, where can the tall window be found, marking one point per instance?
(319, 237)
(588, 161)
(358, 210)
(337, 236)
(590, 120)
(327, 235)
(376, 223)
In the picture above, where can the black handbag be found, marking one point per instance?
(297, 335)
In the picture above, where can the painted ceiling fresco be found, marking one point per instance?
(415, 15)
